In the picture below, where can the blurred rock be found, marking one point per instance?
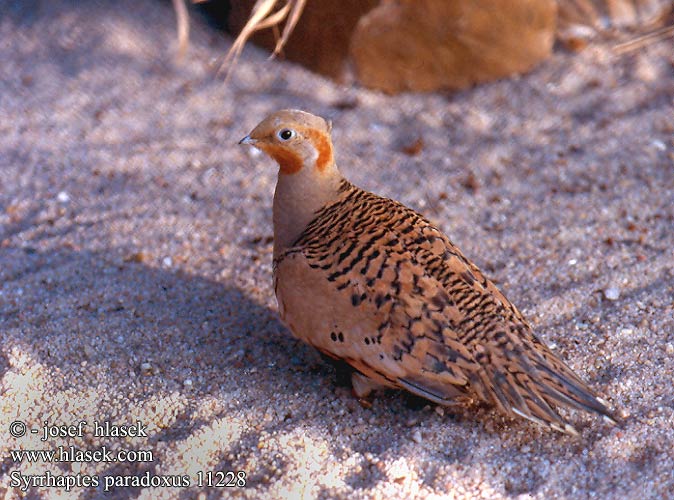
(431, 44)
(416, 44)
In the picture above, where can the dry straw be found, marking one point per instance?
(264, 14)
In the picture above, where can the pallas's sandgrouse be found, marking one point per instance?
(366, 280)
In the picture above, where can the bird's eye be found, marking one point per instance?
(285, 134)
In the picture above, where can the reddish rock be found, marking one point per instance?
(431, 44)
(416, 44)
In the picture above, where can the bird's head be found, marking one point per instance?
(295, 139)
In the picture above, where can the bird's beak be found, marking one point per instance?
(248, 140)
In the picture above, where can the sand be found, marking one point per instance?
(135, 267)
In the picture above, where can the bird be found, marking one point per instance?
(368, 281)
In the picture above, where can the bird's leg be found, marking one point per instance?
(362, 388)
(345, 375)
(343, 370)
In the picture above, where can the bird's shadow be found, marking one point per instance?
(105, 323)
(81, 308)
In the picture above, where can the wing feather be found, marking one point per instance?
(396, 299)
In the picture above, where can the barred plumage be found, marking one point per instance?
(369, 281)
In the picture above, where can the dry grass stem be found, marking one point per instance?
(183, 22)
(643, 40)
(262, 16)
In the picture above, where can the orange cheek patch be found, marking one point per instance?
(289, 162)
(322, 144)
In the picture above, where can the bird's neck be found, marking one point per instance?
(297, 198)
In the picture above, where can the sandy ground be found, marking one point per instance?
(135, 266)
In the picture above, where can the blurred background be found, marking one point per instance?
(433, 44)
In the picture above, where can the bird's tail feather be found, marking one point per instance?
(532, 385)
